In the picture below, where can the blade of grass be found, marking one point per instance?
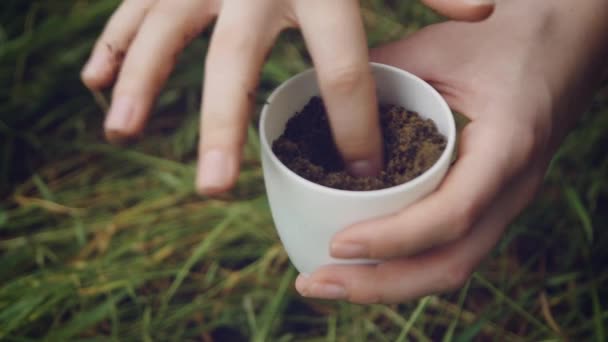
(579, 209)
(250, 313)
(197, 254)
(273, 310)
(396, 318)
(452, 327)
(413, 318)
(598, 320)
(85, 319)
(511, 303)
(331, 329)
(471, 331)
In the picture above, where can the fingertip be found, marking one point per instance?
(88, 79)
(119, 138)
(301, 284)
(365, 168)
(361, 143)
(464, 10)
(91, 79)
(98, 71)
(204, 188)
(378, 238)
(217, 171)
(120, 120)
(481, 11)
(360, 241)
(210, 190)
(348, 250)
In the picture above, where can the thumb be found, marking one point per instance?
(434, 54)
(421, 53)
(467, 10)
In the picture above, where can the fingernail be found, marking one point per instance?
(327, 291)
(97, 65)
(214, 171)
(119, 116)
(301, 281)
(348, 250)
(362, 168)
(481, 2)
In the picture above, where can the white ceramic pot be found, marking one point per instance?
(307, 214)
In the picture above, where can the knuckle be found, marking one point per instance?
(528, 145)
(386, 248)
(223, 131)
(366, 299)
(113, 50)
(373, 296)
(525, 141)
(230, 46)
(369, 291)
(463, 218)
(140, 80)
(372, 292)
(168, 9)
(519, 134)
(456, 276)
(227, 40)
(356, 142)
(344, 78)
(183, 15)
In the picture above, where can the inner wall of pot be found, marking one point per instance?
(405, 90)
(393, 87)
(287, 100)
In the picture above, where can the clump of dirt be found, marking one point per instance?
(412, 145)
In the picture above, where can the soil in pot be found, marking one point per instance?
(412, 145)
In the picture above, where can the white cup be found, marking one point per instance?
(307, 214)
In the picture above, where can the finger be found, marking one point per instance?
(243, 35)
(110, 49)
(168, 26)
(444, 269)
(469, 10)
(490, 156)
(424, 54)
(414, 54)
(335, 37)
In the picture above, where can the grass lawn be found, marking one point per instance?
(99, 242)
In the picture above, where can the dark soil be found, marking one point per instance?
(411, 146)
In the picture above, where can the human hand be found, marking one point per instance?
(521, 101)
(149, 34)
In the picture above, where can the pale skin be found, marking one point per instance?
(496, 72)
(142, 39)
(522, 77)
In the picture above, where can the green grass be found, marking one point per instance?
(105, 243)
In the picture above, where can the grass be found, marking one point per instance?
(105, 243)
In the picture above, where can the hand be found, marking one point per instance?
(521, 101)
(149, 34)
